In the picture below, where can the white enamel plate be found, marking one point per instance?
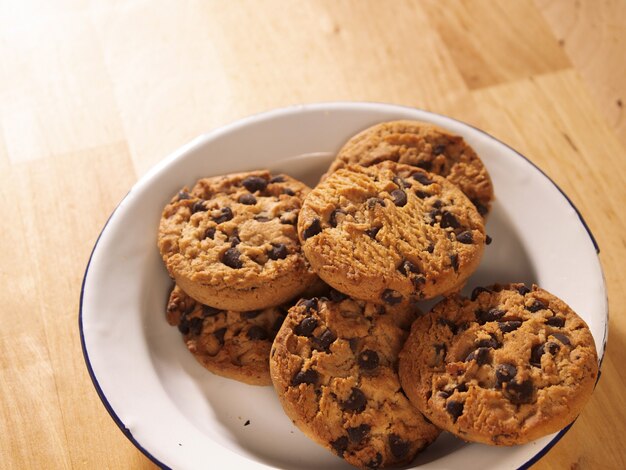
(182, 416)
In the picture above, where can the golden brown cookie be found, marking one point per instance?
(231, 241)
(390, 233)
(507, 366)
(334, 368)
(426, 146)
(231, 344)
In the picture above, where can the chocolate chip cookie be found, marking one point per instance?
(230, 242)
(425, 146)
(231, 344)
(506, 366)
(333, 365)
(390, 233)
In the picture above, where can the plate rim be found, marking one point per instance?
(242, 122)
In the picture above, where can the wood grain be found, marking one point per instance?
(93, 93)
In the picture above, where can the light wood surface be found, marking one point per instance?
(93, 93)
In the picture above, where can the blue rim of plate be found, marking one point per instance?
(540, 454)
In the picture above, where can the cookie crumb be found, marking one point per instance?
(247, 422)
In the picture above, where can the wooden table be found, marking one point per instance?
(93, 93)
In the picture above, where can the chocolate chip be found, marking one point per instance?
(310, 304)
(234, 240)
(477, 291)
(519, 393)
(340, 445)
(480, 355)
(422, 194)
(465, 238)
(488, 240)
(504, 373)
(439, 149)
(492, 343)
(289, 192)
(372, 202)
(449, 323)
(355, 402)
(313, 229)
(368, 360)
(454, 261)
(423, 179)
(325, 340)
(247, 199)
(552, 348)
(440, 349)
(257, 333)
(455, 409)
(254, 183)
(182, 195)
(354, 344)
(555, 321)
(262, 218)
(209, 233)
(495, 314)
(306, 327)
(461, 387)
(432, 214)
(332, 220)
(484, 316)
(430, 248)
(508, 326)
(391, 297)
(448, 220)
(277, 179)
(480, 207)
(358, 433)
(195, 325)
(418, 281)
(375, 462)
(231, 258)
(443, 394)
(337, 296)
(183, 326)
(536, 306)
(535, 354)
(399, 447)
(219, 335)
(251, 314)
(198, 206)
(309, 377)
(278, 251)
(225, 215)
(522, 289)
(399, 197)
(209, 311)
(372, 232)
(562, 338)
(407, 267)
(191, 325)
(425, 165)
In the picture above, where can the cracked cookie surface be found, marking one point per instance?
(391, 233)
(235, 345)
(426, 146)
(230, 242)
(506, 366)
(334, 368)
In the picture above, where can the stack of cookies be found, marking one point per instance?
(317, 291)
